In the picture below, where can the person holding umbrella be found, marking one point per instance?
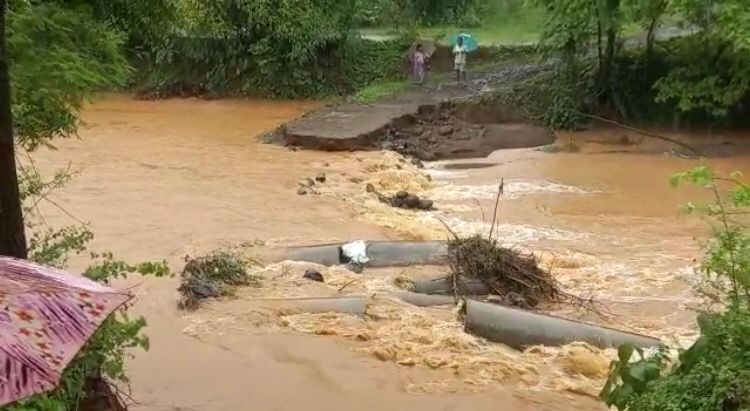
(459, 60)
(463, 44)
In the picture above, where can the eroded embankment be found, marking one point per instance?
(432, 131)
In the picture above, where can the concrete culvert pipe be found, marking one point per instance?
(356, 305)
(519, 329)
(444, 285)
(327, 255)
(403, 253)
(380, 253)
(424, 300)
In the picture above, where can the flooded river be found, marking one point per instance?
(166, 179)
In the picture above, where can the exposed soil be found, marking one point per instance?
(451, 131)
(439, 121)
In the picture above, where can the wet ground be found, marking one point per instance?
(170, 178)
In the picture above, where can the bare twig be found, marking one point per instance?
(500, 190)
(642, 132)
(347, 285)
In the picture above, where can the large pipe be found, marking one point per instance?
(424, 300)
(519, 329)
(403, 253)
(444, 285)
(327, 255)
(356, 305)
(380, 253)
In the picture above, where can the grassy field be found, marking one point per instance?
(501, 26)
(377, 91)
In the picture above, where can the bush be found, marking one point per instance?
(214, 275)
(713, 375)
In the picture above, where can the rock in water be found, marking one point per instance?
(321, 178)
(307, 182)
(397, 202)
(402, 195)
(370, 188)
(446, 130)
(302, 191)
(411, 201)
(313, 275)
(425, 204)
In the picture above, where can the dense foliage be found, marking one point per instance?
(702, 76)
(55, 68)
(424, 12)
(714, 373)
(269, 48)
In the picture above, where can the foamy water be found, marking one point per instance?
(512, 189)
(166, 178)
(509, 235)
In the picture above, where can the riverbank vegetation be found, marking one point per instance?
(694, 74)
(713, 373)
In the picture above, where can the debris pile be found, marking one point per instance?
(516, 278)
(214, 275)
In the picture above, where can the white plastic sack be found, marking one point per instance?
(356, 252)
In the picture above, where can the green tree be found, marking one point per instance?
(714, 76)
(12, 235)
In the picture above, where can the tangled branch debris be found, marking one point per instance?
(214, 275)
(516, 278)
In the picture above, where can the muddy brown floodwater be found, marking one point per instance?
(165, 179)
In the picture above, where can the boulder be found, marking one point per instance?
(321, 178)
(313, 275)
(425, 204)
(446, 130)
(411, 201)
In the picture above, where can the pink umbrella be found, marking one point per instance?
(46, 316)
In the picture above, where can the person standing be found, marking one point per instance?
(419, 64)
(460, 51)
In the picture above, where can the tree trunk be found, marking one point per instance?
(12, 236)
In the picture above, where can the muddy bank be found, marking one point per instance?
(463, 130)
(430, 131)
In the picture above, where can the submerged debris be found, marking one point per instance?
(214, 275)
(403, 199)
(313, 275)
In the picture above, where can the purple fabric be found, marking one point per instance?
(418, 66)
(46, 316)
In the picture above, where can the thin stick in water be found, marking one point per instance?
(497, 204)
